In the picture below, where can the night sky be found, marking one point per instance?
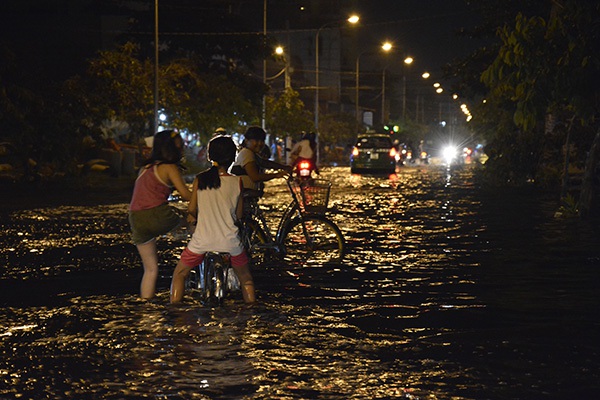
(425, 29)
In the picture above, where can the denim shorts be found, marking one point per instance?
(149, 224)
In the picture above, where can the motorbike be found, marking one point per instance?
(404, 155)
(304, 169)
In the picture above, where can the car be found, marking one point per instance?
(373, 153)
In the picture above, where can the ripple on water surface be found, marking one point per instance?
(438, 298)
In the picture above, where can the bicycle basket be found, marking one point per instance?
(312, 196)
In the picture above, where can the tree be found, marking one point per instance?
(119, 86)
(35, 121)
(214, 101)
(548, 69)
(336, 136)
(286, 114)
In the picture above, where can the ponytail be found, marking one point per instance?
(221, 152)
(209, 179)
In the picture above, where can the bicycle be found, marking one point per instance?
(303, 233)
(214, 278)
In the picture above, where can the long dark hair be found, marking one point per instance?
(165, 149)
(312, 139)
(221, 152)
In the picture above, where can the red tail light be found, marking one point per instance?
(393, 152)
(304, 165)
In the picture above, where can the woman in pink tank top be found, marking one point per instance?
(150, 215)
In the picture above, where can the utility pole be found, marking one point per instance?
(155, 66)
(264, 98)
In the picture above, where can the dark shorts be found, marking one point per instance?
(149, 224)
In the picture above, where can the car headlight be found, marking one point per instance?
(448, 153)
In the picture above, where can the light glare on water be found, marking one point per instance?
(441, 296)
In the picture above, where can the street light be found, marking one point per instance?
(353, 19)
(407, 61)
(386, 46)
(420, 109)
(279, 50)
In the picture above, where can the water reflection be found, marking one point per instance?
(441, 296)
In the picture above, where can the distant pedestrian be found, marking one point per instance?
(219, 132)
(150, 215)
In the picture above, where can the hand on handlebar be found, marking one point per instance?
(282, 174)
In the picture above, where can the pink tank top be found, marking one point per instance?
(149, 190)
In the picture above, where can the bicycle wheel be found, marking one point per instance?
(253, 236)
(213, 291)
(194, 280)
(313, 238)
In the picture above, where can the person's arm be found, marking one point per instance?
(296, 149)
(192, 209)
(254, 173)
(239, 211)
(268, 164)
(295, 152)
(176, 179)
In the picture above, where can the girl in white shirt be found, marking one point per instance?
(216, 204)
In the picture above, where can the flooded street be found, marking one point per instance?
(448, 292)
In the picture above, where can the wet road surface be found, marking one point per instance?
(448, 291)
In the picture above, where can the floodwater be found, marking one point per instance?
(448, 292)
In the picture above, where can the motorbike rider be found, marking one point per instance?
(305, 149)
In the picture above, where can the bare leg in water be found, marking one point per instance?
(181, 272)
(177, 283)
(150, 262)
(246, 283)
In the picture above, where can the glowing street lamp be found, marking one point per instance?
(386, 46)
(353, 19)
(407, 61)
(279, 50)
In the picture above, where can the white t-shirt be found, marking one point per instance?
(245, 156)
(305, 150)
(216, 229)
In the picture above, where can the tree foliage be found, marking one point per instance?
(337, 130)
(119, 86)
(545, 74)
(286, 114)
(35, 121)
